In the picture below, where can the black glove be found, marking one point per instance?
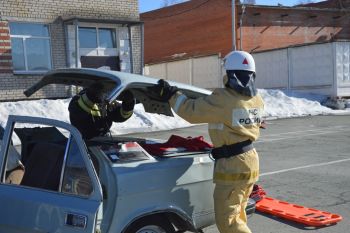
(128, 100)
(164, 91)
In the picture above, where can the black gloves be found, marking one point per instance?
(121, 112)
(164, 91)
(128, 101)
(127, 105)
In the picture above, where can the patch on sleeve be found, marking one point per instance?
(245, 117)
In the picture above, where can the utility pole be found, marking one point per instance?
(233, 24)
(240, 28)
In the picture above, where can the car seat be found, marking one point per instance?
(44, 165)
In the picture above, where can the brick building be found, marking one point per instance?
(202, 27)
(37, 36)
(302, 48)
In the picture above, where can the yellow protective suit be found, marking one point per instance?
(232, 118)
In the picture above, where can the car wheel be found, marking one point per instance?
(151, 225)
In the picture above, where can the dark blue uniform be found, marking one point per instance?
(95, 119)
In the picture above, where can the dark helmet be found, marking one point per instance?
(95, 92)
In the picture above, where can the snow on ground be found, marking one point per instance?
(277, 105)
(280, 105)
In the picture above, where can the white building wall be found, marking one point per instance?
(207, 72)
(342, 64)
(71, 46)
(318, 68)
(202, 72)
(156, 70)
(272, 69)
(179, 71)
(311, 66)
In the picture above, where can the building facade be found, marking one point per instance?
(38, 36)
(201, 27)
(262, 28)
(187, 43)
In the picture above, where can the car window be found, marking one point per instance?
(76, 179)
(42, 157)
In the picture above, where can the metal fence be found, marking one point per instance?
(315, 68)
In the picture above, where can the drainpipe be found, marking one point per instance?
(76, 44)
(240, 28)
(233, 24)
(77, 63)
(142, 48)
(131, 52)
(290, 69)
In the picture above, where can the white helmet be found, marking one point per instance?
(239, 60)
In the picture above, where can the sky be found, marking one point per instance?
(277, 105)
(148, 5)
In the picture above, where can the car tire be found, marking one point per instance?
(152, 224)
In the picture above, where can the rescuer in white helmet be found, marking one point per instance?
(233, 114)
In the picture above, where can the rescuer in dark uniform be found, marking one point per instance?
(92, 116)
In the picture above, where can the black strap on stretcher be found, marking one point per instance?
(227, 151)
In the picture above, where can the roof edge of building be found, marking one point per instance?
(301, 45)
(185, 57)
(301, 8)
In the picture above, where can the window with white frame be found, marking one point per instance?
(97, 41)
(97, 37)
(31, 47)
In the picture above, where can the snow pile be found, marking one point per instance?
(54, 109)
(140, 121)
(277, 105)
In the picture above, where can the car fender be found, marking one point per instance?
(183, 219)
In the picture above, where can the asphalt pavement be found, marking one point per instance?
(305, 161)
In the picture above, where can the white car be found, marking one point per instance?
(106, 184)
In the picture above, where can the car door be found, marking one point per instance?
(58, 191)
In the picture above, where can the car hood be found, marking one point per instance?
(115, 83)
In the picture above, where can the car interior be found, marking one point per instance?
(44, 171)
(35, 169)
(41, 153)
